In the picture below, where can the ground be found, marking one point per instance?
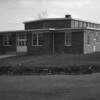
(56, 60)
(50, 87)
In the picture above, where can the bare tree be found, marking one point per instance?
(41, 15)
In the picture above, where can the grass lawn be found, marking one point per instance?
(56, 60)
(50, 87)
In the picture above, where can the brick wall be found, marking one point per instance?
(38, 50)
(77, 43)
(59, 42)
(5, 49)
(47, 48)
(75, 48)
(52, 24)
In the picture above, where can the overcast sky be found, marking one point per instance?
(14, 12)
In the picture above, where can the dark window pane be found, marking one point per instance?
(5, 42)
(68, 39)
(40, 39)
(72, 24)
(23, 43)
(19, 43)
(5, 39)
(88, 39)
(9, 39)
(34, 39)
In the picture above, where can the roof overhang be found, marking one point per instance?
(49, 30)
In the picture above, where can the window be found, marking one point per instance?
(97, 37)
(99, 26)
(40, 39)
(37, 39)
(76, 24)
(68, 39)
(34, 39)
(92, 25)
(94, 35)
(72, 24)
(95, 26)
(89, 24)
(7, 40)
(84, 24)
(80, 24)
(88, 39)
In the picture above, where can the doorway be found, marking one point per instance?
(21, 42)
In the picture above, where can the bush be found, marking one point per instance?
(23, 70)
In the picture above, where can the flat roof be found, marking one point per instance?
(50, 19)
(46, 19)
(86, 21)
(51, 29)
(17, 31)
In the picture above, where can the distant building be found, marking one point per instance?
(56, 35)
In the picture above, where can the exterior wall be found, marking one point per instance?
(38, 50)
(98, 44)
(2, 50)
(48, 43)
(5, 49)
(59, 42)
(47, 48)
(90, 48)
(52, 24)
(76, 43)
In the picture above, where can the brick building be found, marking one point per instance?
(56, 35)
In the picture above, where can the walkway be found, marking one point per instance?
(5, 56)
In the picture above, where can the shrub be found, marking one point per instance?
(24, 70)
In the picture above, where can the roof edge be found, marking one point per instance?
(46, 20)
(52, 29)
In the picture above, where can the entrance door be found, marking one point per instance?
(21, 43)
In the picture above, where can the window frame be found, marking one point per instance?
(84, 24)
(37, 39)
(80, 24)
(69, 40)
(7, 39)
(97, 37)
(88, 38)
(72, 23)
(76, 24)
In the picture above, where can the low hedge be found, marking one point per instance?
(69, 70)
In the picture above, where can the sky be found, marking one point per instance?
(14, 12)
